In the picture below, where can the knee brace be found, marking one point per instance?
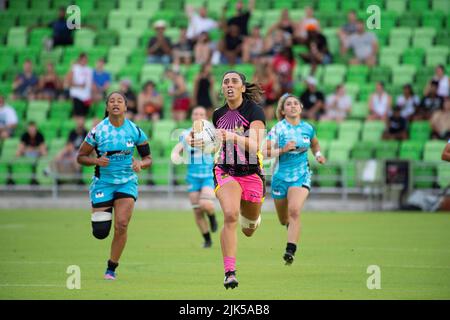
(101, 223)
(249, 224)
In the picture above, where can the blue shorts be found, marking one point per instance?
(280, 187)
(197, 184)
(103, 194)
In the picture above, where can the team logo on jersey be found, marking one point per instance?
(306, 139)
(99, 194)
(130, 144)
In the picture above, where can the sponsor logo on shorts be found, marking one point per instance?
(224, 175)
(276, 193)
(99, 194)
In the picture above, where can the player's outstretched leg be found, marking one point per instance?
(207, 206)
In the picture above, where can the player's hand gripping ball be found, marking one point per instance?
(204, 135)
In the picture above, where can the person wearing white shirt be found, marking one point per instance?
(337, 105)
(8, 119)
(198, 22)
(408, 102)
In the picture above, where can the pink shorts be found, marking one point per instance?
(253, 186)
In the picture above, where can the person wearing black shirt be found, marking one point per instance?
(32, 143)
(396, 126)
(242, 17)
(312, 100)
(430, 103)
(230, 46)
(62, 35)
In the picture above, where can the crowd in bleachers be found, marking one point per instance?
(168, 56)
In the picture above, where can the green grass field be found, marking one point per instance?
(164, 259)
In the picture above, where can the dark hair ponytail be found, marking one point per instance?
(252, 92)
(109, 96)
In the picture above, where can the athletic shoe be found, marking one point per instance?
(230, 280)
(289, 257)
(213, 223)
(110, 275)
(207, 244)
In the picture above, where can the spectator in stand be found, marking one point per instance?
(159, 46)
(25, 84)
(285, 23)
(276, 40)
(182, 50)
(8, 119)
(149, 103)
(32, 143)
(440, 122)
(79, 80)
(62, 35)
(347, 29)
(338, 105)
(203, 49)
(101, 81)
(180, 96)
(50, 85)
(267, 80)
(443, 82)
(408, 102)
(396, 126)
(253, 47)
(318, 48)
(430, 103)
(242, 16)
(301, 31)
(312, 100)
(364, 45)
(65, 161)
(127, 91)
(284, 64)
(203, 94)
(230, 46)
(380, 103)
(199, 22)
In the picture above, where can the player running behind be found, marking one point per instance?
(115, 184)
(289, 141)
(199, 178)
(238, 175)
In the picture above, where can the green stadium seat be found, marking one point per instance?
(17, 37)
(334, 74)
(440, 5)
(140, 21)
(326, 130)
(403, 74)
(106, 38)
(349, 130)
(433, 19)
(372, 131)
(129, 6)
(29, 19)
(359, 110)
(9, 148)
(4, 173)
(361, 151)
(409, 19)
(424, 175)
(153, 72)
(420, 130)
(433, 150)
(443, 175)
(357, 73)
(38, 35)
(166, 15)
(95, 20)
(18, 5)
(386, 149)
(51, 56)
(106, 5)
(399, 38)
(118, 20)
(436, 55)
(414, 56)
(22, 171)
(160, 172)
(84, 38)
(151, 6)
(411, 150)
(60, 110)
(350, 5)
(423, 37)
(390, 56)
(418, 6)
(367, 3)
(327, 6)
(117, 59)
(398, 6)
(174, 5)
(42, 170)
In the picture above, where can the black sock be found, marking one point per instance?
(207, 237)
(112, 266)
(211, 217)
(292, 247)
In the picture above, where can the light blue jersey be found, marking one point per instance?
(119, 144)
(199, 164)
(293, 165)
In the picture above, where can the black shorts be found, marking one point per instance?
(79, 108)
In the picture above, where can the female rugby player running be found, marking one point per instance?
(199, 178)
(289, 140)
(238, 175)
(115, 184)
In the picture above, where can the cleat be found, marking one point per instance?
(213, 223)
(288, 257)
(230, 280)
(110, 275)
(207, 244)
